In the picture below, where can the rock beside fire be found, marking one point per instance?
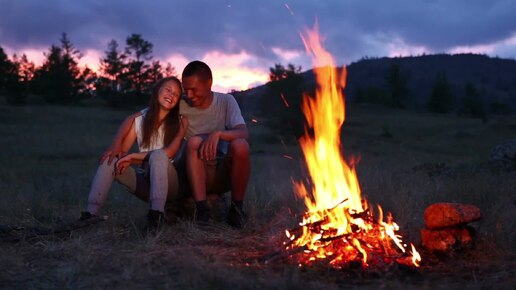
(445, 240)
(444, 215)
(446, 228)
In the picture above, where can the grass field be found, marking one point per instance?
(408, 160)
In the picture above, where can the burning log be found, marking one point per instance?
(366, 241)
(443, 215)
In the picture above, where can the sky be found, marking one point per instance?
(241, 40)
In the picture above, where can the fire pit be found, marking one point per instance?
(339, 227)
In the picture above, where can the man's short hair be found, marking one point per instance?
(198, 68)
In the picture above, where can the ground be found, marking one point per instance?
(406, 161)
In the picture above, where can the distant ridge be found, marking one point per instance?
(494, 78)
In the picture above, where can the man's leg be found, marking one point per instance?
(196, 173)
(239, 175)
(240, 168)
(195, 169)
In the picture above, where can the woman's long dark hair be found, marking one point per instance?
(151, 121)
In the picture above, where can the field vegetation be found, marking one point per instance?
(406, 161)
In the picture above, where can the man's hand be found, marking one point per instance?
(208, 148)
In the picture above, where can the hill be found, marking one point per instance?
(494, 80)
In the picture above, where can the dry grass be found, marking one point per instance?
(408, 161)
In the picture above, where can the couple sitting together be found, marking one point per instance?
(202, 136)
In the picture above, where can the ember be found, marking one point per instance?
(339, 227)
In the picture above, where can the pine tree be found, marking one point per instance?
(112, 66)
(9, 81)
(139, 52)
(286, 86)
(154, 74)
(169, 71)
(472, 103)
(398, 89)
(26, 69)
(441, 97)
(50, 77)
(59, 79)
(6, 68)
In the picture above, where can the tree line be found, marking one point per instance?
(124, 78)
(126, 75)
(288, 85)
(443, 98)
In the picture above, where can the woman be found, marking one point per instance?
(159, 130)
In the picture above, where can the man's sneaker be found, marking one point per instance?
(202, 216)
(237, 218)
(155, 220)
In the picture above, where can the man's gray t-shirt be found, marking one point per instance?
(222, 114)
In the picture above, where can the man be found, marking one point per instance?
(217, 151)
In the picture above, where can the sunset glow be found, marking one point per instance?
(399, 47)
(230, 71)
(91, 59)
(243, 70)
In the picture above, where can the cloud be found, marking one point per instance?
(233, 72)
(266, 30)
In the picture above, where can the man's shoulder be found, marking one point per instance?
(224, 97)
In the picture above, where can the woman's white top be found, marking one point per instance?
(156, 141)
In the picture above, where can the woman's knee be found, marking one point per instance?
(105, 166)
(158, 156)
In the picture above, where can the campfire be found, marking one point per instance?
(339, 227)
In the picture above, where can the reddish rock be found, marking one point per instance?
(443, 215)
(446, 239)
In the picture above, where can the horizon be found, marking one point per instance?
(87, 61)
(240, 41)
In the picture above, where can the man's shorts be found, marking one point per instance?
(218, 173)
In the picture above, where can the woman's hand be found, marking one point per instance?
(115, 151)
(183, 124)
(122, 164)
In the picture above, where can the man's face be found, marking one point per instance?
(197, 91)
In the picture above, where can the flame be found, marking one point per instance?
(338, 225)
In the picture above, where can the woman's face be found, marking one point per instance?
(169, 95)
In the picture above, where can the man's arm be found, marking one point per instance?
(239, 131)
(208, 148)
